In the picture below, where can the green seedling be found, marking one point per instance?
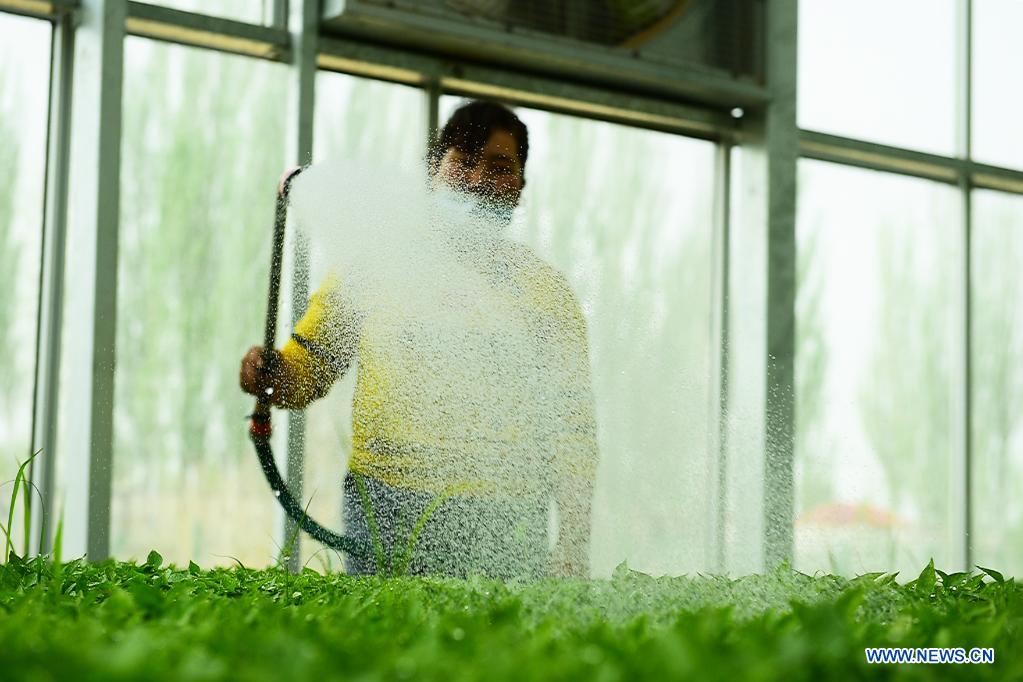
(20, 481)
(113, 620)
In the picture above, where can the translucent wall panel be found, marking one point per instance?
(997, 97)
(370, 120)
(878, 414)
(251, 11)
(24, 79)
(366, 119)
(625, 214)
(742, 526)
(997, 533)
(203, 148)
(881, 71)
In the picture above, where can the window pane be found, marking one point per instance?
(24, 80)
(251, 11)
(997, 381)
(880, 71)
(371, 120)
(603, 205)
(363, 118)
(878, 343)
(202, 151)
(997, 97)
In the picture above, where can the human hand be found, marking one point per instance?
(260, 373)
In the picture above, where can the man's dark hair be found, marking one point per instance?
(470, 127)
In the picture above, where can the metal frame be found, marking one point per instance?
(51, 10)
(199, 30)
(432, 91)
(963, 497)
(280, 15)
(780, 139)
(303, 16)
(873, 156)
(49, 318)
(90, 289)
(82, 185)
(458, 78)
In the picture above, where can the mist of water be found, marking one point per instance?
(472, 375)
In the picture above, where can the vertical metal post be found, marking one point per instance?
(962, 497)
(90, 292)
(303, 23)
(718, 431)
(279, 18)
(51, 285)
(781, 140)
(432, 92)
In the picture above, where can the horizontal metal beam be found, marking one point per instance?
(823, 147)
(549, 94)
(214, 33)
(592, 103)
(39, 9)
(994, 177)
(885, 158)
(373, 61)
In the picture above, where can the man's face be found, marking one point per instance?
(494, 174)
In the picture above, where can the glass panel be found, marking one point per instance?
(997, 381)
(372, 120)
(251, 11)
(997, 98)
(742, 520)
(24, 92)
(877, 371)
(880, 71)
(202, 151)
(603, 205)
(363, 118)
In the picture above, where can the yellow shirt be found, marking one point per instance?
(489, 396)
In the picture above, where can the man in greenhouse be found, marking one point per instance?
(462, 437)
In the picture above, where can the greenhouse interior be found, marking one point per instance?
(725, 382)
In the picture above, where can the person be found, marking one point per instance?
(455, 463)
